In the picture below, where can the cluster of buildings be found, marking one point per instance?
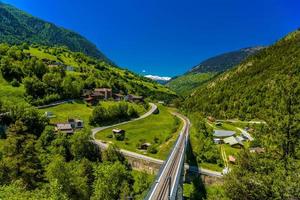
(229, 137)
(92, 97)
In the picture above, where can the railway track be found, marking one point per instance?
(165, 183)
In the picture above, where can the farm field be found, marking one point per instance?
(159, 129)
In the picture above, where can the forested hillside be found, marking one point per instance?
(266, 87)
(225, 61)
(40, 75)
(185, 85)
(254, 88)
(17, 27)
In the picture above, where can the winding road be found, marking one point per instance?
(104, 145)
(96, 130)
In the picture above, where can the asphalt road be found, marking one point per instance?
(96, 130)
(104, 145)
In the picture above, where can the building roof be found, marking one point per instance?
(231, 158)
(118, 95)
(135, 97)
(64, 126)
(96, 93)
(89, 99)
(257, 150)
(232, 141)
(74, 120)
(102, 90)
(117, 130)
(240, 138)
(223, 133)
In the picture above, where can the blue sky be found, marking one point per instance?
(168, 37)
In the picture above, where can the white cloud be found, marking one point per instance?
(158, 78)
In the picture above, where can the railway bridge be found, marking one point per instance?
(168, 183)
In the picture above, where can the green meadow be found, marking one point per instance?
(163, 126)
(80, 110)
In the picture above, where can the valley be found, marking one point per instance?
(76, 126)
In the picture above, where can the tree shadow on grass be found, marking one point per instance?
(194, 176)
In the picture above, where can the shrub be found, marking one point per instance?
(152, 149)
(115, 113)
(15, 83)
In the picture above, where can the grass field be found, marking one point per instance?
(79, 110)
(213, 191)
(162, 126)
(62, 112)
(10, 93)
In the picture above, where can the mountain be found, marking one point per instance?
(208, 69)
(17, 27)
(224, 61)
(42, 74)
(159, 79)
(185, 84)
(259, 87)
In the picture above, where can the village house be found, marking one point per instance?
(217, 141)
(219, 123)
(64, 127)
(223, 133)
(258, 150)
(69, 68)
(76, 123)
(211, 119)
(233, 142)
(134, 98)
(49, 114)
(103, 92)
(145, 146)
(92, 97)
(86, 92)
(231, 159)
(118, 97)
(118, 134)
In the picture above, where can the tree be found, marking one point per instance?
(17, 190)
(142, 184)
(61, 146)
(73, 178)
(34, 87)
(82, 147)
(53, 82)
(112, 154)
(72, 87)
(109, 179)
(262, 177)
(20, 157)
(10, 71)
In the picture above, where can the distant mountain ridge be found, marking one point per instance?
(257, 87)
(185, 85)
(17, 27)
(225, 61)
